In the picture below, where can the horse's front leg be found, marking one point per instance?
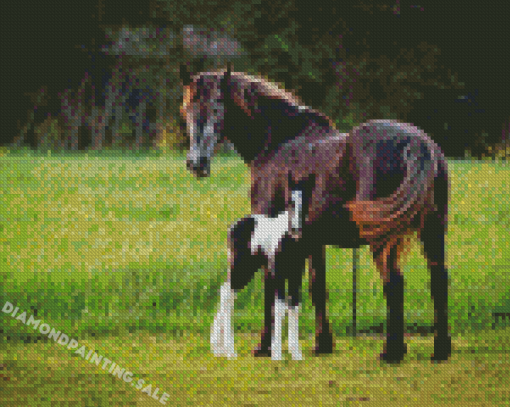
(263, 349)
(279, 308)
(295, 277)
(287, 263)
(275, 287)
(271, 238)
(317, 286)
(266, 240)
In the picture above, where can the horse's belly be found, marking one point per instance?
(334, 227)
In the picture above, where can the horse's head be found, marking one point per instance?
(203, 109)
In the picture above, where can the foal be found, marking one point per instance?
(273, 244)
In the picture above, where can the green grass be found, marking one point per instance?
(109, 246)
(154, 238)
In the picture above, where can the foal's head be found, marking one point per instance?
(203, 108)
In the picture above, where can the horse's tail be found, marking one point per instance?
(384, 221)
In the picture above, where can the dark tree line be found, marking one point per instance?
(471, 39)
(44, 48)
(439, 65)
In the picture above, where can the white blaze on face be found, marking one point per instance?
(194, 151)
(209, 140)
(205, 147)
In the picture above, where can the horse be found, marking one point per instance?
(312, 186)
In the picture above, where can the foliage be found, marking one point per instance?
(350, 87)
(49, 134)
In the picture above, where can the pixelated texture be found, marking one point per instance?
(129, 255)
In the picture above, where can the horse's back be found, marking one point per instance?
(381, 150)
(387, 139)
(313, 157)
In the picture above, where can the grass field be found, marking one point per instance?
(127, 254)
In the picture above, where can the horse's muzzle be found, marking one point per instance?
(200, 169)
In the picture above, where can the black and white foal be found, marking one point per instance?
(270, 242)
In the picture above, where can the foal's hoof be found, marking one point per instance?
(395, 354)
(442, 350)
(224, 352)
(263, 349)
(323, 344)
(261, 353)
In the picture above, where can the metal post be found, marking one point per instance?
(355, 261)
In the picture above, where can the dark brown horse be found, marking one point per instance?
(313, 186)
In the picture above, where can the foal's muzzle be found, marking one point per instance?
(201, 168)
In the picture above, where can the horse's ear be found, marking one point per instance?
(185, 75)
(225, 81)
(228, 72)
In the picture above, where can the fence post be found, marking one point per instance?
(355, 261)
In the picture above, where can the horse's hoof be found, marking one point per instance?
(442, 350)
(394, 354)
(322, 351)
(276, 355)
(261, 352)
(324, 345)
(297, 356)
(219, 351)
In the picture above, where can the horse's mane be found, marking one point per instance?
(264, 88)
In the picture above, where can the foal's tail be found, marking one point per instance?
(385, 221)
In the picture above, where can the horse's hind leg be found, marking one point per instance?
(222, 333)
(242, 267)
(317, 287)
(433, 237)
(386, 260)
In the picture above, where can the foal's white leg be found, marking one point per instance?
(276, 340)
(217, 333)
(222, 333)
(294, 347)
(295, 224)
